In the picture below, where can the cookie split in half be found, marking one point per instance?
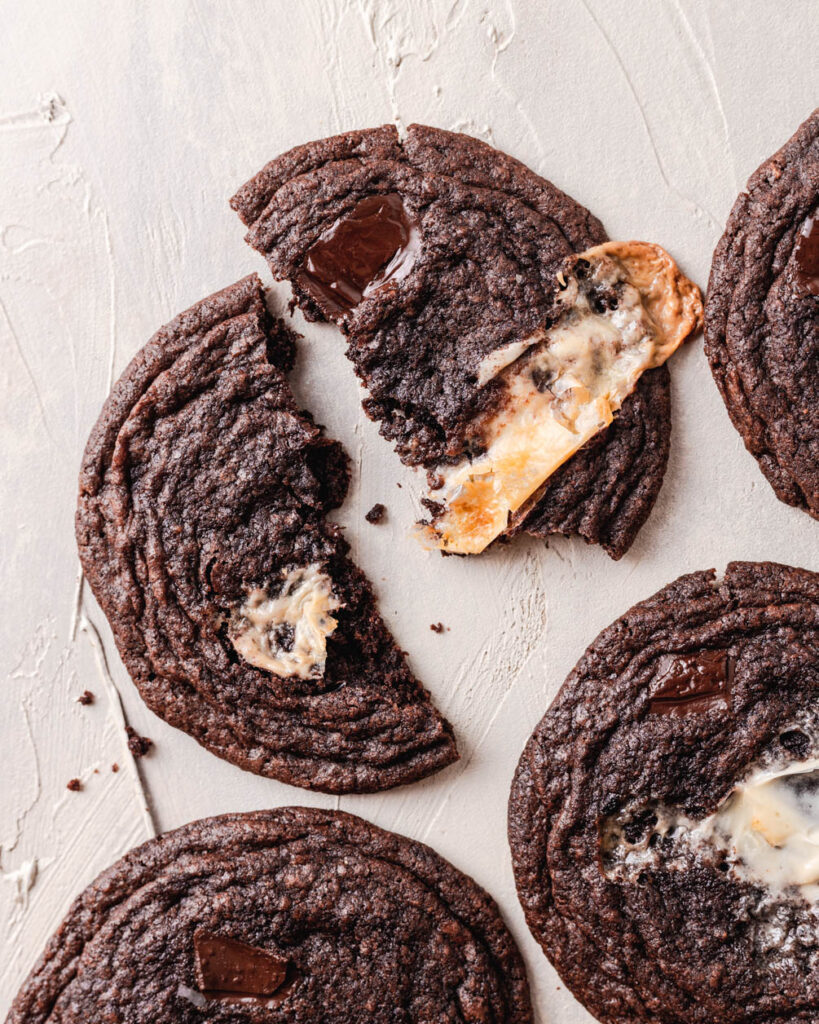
(292, 915)
(202, 532)
(506, 347)
(762, 318)
(664, 817)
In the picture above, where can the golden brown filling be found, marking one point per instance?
(625, 308)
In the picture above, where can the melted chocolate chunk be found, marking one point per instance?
(226, 968)
(806, 257)
(690, 685)
(376, 243)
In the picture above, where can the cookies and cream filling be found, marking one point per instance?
(286, 633)
(767, 828)
(625, 307)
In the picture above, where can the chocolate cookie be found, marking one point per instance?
(663, 817)
(293, 915)
(435, 255)
(201, 528)
(762, 318)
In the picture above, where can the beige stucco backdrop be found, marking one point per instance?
(124, 128)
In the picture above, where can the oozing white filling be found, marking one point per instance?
(563, 385)
(287, 634)
(768, 828)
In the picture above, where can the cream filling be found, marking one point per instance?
(768, 827)
(563, 385)
(287, 634)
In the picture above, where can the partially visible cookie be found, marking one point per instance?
(762, 318)
(444, 262)
(202, 532)
(295, 915)
(664, 815)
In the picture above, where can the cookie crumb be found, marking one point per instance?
(74, 785)
(85, 698)
(115, 767)
(437, 627)
(376, 513)
(138, 745)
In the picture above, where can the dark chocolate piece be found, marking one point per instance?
(377, 242)
(762, 318)
(644, 923)
(85, 698)
(225, 965)
(806, 257)
(689, 684)
(74, 785)
(298, 914)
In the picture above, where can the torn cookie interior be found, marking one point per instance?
(766, 829)
(624, 308)
(286, 632)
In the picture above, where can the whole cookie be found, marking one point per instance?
(663, 816)
(294, 915)
(202, 532)
(473, 241)
(762, 318)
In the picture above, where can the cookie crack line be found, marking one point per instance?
(505, 346)
(202, 530)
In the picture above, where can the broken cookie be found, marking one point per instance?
(506, 347)
(202, 532)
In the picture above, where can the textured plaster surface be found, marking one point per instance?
(124, 128)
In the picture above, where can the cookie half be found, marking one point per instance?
(202, 532)
(762, 318)
(457, 274)
(664, 816)
(289, 915)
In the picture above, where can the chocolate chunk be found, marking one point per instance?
(806, 257)
(376, 513)
(74, 785)
(437, 627)
(376, 243)
(86, 698)
(224, 965)
(138, 745)
(689, 684)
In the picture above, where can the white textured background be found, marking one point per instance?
(124, 128)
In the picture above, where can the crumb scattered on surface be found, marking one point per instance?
(437, 627)
(86, 698)
(138, 745)
(74, 785)
(398, 485)
(115, 767)
(376, 513)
